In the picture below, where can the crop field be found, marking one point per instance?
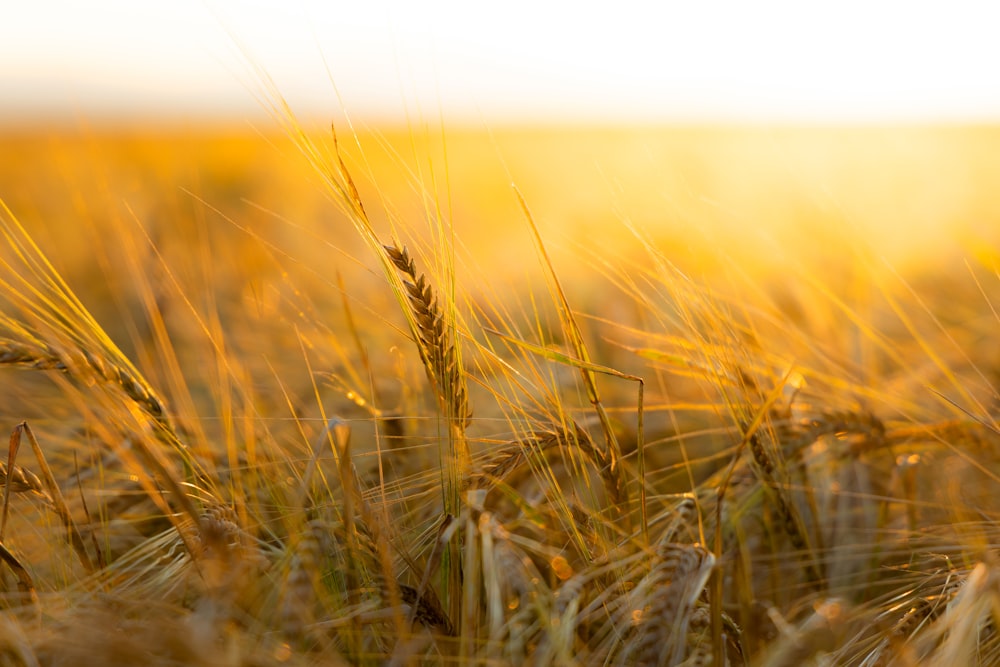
(521, 395)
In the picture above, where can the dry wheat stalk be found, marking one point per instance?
(25, 584)
(52, 491)
(895, 644)
(367, 552)
(965, 632)
(367, 541)
(375, 567)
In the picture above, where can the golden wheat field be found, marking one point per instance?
(535, 395)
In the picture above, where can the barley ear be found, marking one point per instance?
(436, 346)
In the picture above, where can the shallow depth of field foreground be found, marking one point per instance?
(694, 396)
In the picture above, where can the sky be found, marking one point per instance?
(706, 60)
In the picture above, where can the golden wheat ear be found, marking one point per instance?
(437, 349)
(45, 326)
(55, 330)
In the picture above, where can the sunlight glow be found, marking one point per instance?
(773, 60)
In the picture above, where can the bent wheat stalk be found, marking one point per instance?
(54, 493)
(39, 356)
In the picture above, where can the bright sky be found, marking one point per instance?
(667, 60)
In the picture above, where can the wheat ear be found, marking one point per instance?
(41, 357)
(673, 586)
(770, 468)
(513, 458)
(437, 349)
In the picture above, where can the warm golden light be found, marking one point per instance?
(639, 62)
(652, 329)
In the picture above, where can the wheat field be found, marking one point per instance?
(533, 395)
